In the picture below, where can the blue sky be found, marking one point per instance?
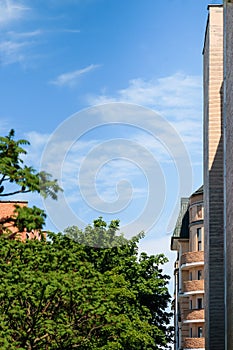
(60, 57)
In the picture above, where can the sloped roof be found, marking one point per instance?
(199, 191)
(182, 224)
(181, 230)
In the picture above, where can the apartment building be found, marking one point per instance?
(218, 205)
(188, 241)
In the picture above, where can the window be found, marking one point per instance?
(199, 303)
(199, 274)
(191, 332)
(199, 211)
(190, 276)
(199, 239)
(199, 332)
(191, 304)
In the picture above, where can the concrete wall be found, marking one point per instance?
(213, 181)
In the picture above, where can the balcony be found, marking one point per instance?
(193, 287)
(194, 343)
(191, 259)
(192, 316)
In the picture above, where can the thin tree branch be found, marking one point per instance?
(16, 192)
(44, 336)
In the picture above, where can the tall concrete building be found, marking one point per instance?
(228, 162)
(214, 180)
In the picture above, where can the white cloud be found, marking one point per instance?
(178, 98)
(12, 52)
(179, 91)
(11, 11)
(71, 78)
(70, 31)
(23, 35)
(16, 46)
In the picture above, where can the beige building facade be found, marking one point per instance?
(214, 179)
(188, 241)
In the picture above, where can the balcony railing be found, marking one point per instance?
(194, 343)
(192, 257)
(193, 315)
(193, 286)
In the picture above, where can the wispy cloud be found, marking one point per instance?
(177, 97)
(70, 31)
(16, 47)
(22, 35)
(12, 10)
(71, 78)
(122, 176)
(12, 52)
(176, 91)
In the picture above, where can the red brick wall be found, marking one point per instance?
(194, 314)
(7, 210)
(192, 257)
(195, 285)
(194, 343)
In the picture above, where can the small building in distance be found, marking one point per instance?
(188, 241)
(6, 212)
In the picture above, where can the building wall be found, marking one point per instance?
(213, 180)
(189, 277)
(7, 211)
(193, 277)
(228, 119)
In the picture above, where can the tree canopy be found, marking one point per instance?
(61, 294)
(83, 289)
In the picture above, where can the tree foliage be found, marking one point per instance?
(18, 178)
(62, 294)
(86, 290)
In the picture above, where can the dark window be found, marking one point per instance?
(199, 303)
(191, 305)
(191, 332)
(190, 276)
(199, 274)
(199, 332)
(199, 239)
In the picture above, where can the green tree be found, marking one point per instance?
(18, 178)
(61, 294)
(108, 251)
